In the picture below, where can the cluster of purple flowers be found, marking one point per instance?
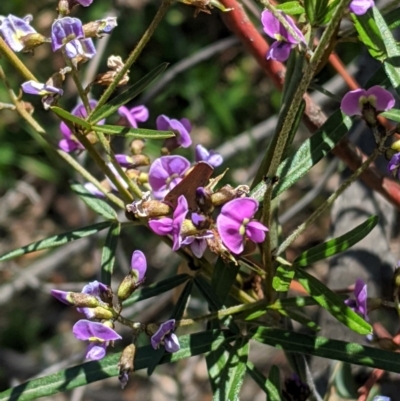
(285, 41)
(96, 303)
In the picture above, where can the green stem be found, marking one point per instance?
(302, 227)
(135, 53)
(221, 313)
(15, 61)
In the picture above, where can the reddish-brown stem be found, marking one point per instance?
(238, 22)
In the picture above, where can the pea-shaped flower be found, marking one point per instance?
(359, 304)
(285, 42)
(165, 335)
(354, 102)
(235, 223)
(360, 7)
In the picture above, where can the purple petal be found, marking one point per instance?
(256, 231)
(85, 3)
(95, 288)
(162, 331)
(381, 99)
(93, 189)
(394, 163)
(37, 88)
(69, 145)
(240, 209)
(87, 330)
(229, 232)
(171, 343)
(65, 29)
(62, 296)
(162, 226)
(139, 263)
(179, 216)
(96, 351)
(270, 24)
(181, 129)
(198, 247)
(279, 51)
(139, 113)
(211, 157)
(165, 173)
(360, 7)
(13, 29)
(350, 104)
(83, 48)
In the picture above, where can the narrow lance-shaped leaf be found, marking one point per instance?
(270, 386)
(65, 115)
(393, 114)
(309, 154)
(227, 375)
(392, 62)
(333, 303)
(96, 204)
(68, 379)
(127, 95)
(353, 353)
(282, 278)
(139, 133)
(108, 254)
(336, 245)
(369, 34)
(56, 240)
(291, 8)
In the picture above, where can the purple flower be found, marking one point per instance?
(354, 102)
(85, 3)
(285, 42)
(360, 7)
(210, 156)
(181, 129)
(64, 30)
(37, 88)
(69, 143)
(168, 226)
(62, 296)
(198, 243)
(134, 115)
(164, 335)
(96, 289)
(234, 224)
(394, 165)
(165, 173)
(14, 30)
(99, 336)
(139, 264)
(359, 304)
(381, 398)
(80, 49)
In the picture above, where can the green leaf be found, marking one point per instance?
(392, 62)
(156, 289)
(369, 34)
(297, 316)
(291, 8)
(227, 373)
(310, 8)
(96, 204)
(56, 240)
(66, 116)
(140, 133)
(68, 379)
(270, 386)
(208, 293)
(393, 114)
(308, 155)
(333, 303)
(326, 348)
(126, 96)
(223, 278)
(336, 245)
(282, 279)
(108, 254)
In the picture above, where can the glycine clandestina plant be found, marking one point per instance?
(227, 236)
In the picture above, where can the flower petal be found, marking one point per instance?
(139, 263)
(384, 99)
(256, 231)
(350, 104)
(85, 330)
(96, 351)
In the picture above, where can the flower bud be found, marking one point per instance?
(102, 313)
(149, 209)
(137, 146)
(126, 364)
(97, 28)
(76, 298)
(227, 193)
(132, 162)
(33, 40)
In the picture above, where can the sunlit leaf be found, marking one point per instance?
(108, 254)
(139, 133)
